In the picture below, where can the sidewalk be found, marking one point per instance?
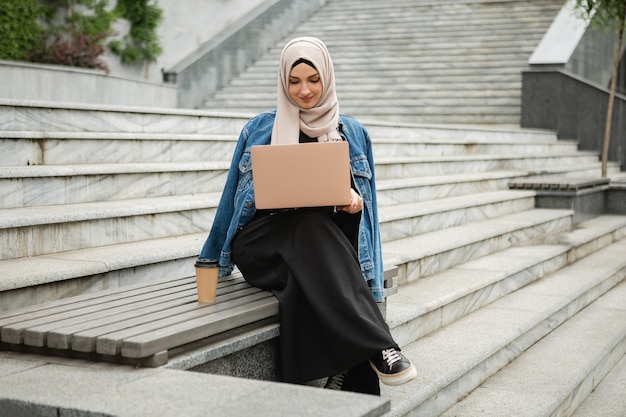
(32, 386)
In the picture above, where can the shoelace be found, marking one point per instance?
(391, 356)
(336, 381)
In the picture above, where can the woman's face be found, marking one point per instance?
(305, 86)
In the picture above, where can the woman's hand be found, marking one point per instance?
(356, 203)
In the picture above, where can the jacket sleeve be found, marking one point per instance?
(225, 209)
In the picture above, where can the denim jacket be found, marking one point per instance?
(236, 207)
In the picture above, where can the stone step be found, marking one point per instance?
(46, 230)
(457, 358)
(607, 399)
(433, 252)
(412, 219)
(407, 80)
(410, 61)
(556, 374)
(388, 57)
(411, 190)
(63, 148)
(37, 279)
(397, 167)
(59, 148)
(423, 306)
(47, 277)
(32, 186)
(25, 232)
(44, 185)
(17, 116)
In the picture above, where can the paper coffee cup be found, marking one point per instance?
(206, 280)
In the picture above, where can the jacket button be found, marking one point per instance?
(245, 163)
(249, 204)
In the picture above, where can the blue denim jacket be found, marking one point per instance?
(236, 207)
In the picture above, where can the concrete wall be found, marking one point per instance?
(25, 81)
(575, 108)
(186, 26)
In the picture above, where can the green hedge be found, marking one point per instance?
(20, 34)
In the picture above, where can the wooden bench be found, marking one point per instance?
(139, 324)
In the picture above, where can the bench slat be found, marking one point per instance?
(15, 332)
(13, 329)
(139, 322)
(201, 327)
(52, 307)
(84, 340)
(110, 344)
(84, 318)
(36, 330)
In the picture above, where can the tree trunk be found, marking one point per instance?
(609, 113)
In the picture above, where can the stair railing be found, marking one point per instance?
(226, 55)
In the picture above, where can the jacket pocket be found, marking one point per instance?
(360, 167)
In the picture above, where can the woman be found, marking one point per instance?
(324, 265)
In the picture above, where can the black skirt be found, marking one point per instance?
(329, 319)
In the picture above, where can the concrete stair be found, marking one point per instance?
(100, 198)
(443, 62)
(97, 198)
(466, 323)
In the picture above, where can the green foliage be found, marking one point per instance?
(20, 33)
(142, 42)
(606, 14)
(78, 39)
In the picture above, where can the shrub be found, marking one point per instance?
(20, 34)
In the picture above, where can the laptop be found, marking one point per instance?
(299, 175)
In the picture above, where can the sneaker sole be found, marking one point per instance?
(396, 379)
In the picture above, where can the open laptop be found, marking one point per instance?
(301, 175)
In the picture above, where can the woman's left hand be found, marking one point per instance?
(356, 203)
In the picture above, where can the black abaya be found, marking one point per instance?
(329, 319)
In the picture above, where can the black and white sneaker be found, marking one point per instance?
(392, 367)
(336, 381)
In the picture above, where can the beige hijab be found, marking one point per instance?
(319, 122)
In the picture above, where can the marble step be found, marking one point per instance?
(458, 133)
(44, 230)
(397, 167)
(422, 92)
(607, 399)
(456, 359)
(37, 279)
(426, 147)
(412, 190)
(401, 74)
(557, 374)
(416, 61)
(400, 82)
(413, 219)
(65, 148)
(426, 305)
(16, 115)
(44, 185)
(432, 252)
(27, 231)
(31, 186)
(47, 277)
(416, 189)
(395, 54)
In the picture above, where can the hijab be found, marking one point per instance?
(318, 122)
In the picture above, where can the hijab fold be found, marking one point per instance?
(318, 122)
